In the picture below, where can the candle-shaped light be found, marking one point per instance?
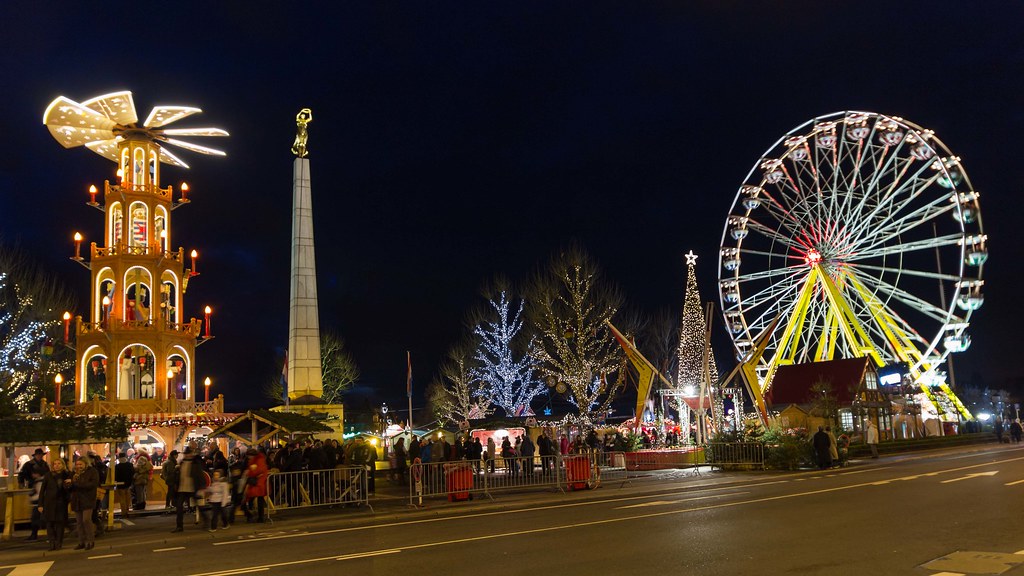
(170, 380)
(92, 194)
(120, 176)
(194, 255)
(184, 191)
(208, 311)
(163, 240)
(67, 325)
(57, 381)
(106, 309)
(78, 246)
(206, 384)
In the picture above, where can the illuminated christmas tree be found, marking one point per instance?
(569, 307)
(508, 378)
(455, 396)
(693, 370)
(30, 352)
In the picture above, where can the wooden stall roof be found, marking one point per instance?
(261, 425)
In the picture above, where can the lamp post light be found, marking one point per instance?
(206, 385)
(58, 380)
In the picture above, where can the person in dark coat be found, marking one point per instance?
(822, 445)
(53, 502)
(83, 500)
(400, 460)
(124, 474)
(526, 450)
(170, 475)
(37, 462)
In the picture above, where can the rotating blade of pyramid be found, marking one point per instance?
(118, 106)
(73, 124)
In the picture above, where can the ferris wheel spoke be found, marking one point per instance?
(770, 292)
(929, 243)
(894, 191)
(781, 214)
(908, 272)
(770, 273)
(901, 226)
(769, 233)
(912, 301)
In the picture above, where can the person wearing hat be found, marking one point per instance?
(36, 465)
(124, 473)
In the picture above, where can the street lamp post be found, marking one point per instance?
(206, 385)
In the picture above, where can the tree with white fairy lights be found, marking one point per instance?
(568, 305)
(455, 395)
(696, 364)
(506, 374)
(31, 353)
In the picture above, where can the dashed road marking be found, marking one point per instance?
(104, 556)
(168, 549)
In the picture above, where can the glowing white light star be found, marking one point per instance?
(691, 258)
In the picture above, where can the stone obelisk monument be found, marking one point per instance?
(305, 371)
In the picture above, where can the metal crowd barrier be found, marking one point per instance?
(338, 486)
(734, 454)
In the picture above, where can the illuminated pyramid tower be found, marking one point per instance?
(135, 352)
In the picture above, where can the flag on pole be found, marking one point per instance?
(644, 368)
(408, 374)
(284, 379)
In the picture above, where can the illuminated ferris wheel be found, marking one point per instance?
(856, 234)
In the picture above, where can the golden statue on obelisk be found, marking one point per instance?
(304, 117)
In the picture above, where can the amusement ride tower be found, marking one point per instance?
(135, 352)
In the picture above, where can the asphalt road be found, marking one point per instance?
(889, 516)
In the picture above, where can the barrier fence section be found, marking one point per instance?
(662, 459)
(333, 487)
(735, 454)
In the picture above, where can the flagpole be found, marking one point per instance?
(408, 385)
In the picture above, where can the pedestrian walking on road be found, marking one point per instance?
(219, 497)
(1015, 430)
(53, 502)
(255, 484)
(191, 479)
(83, 500)
(871, 436)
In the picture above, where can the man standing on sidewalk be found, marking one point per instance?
(124, 475)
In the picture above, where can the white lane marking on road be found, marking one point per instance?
(969, 476)
(104, 556)
(948, 574)
(266, 567)
(244, 540)
(568, 526)
(1014, 483)
(32, 569)
(168, 549)
(666, 502)
(609, 500)
(876, 469)
(127, 522)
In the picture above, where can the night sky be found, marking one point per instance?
(455, 141)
